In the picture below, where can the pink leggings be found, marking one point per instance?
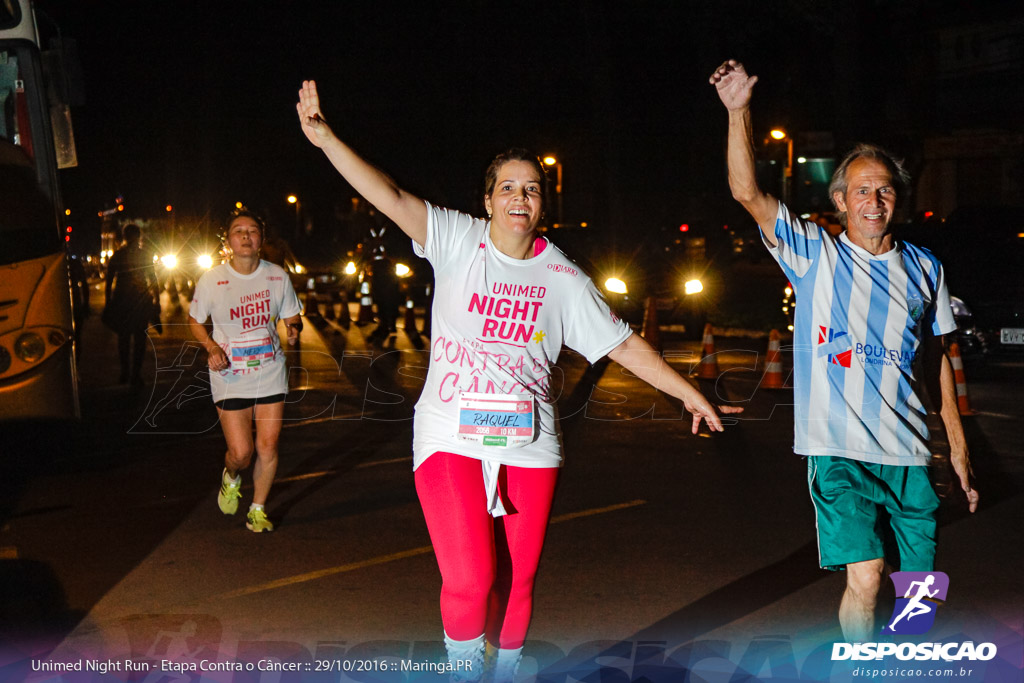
(487, 565)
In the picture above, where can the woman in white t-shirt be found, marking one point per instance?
(487, 448)
(246, 298)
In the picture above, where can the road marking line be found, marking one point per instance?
(597, 511)
(326, 473)
(414, 552)
(287, 424)
(375, 463)
(308, 475)
(312, 576)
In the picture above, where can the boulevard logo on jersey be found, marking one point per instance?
(918, 595)
(836, 344)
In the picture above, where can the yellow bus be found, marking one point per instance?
(37, 361)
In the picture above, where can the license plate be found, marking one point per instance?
(1012, 335)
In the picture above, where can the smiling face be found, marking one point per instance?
(244, 237)
(516, 201)
(869, 200)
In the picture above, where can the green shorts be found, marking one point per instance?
(865, 511)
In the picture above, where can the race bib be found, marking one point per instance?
(247, 354)
(496, 420)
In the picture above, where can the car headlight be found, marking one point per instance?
(205, 261)
(350, 268)
(402, 270)
(693, 287)
(615, 285)
(169, 261)
(30, 347)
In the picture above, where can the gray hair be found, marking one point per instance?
(900, 176)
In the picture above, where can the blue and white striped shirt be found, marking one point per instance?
(858, 327)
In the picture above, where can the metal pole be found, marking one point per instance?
(558, 190)
(787, 186)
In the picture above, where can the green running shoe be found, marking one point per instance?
(257, 521)
(230, 492)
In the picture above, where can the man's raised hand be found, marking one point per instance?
(733, 84)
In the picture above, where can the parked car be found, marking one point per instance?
(982, 249)
(970, 339)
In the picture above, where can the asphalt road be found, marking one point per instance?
(666, 551)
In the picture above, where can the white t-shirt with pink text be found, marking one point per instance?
(498, 327)
(245, 311)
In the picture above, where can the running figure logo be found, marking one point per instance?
(922, 592)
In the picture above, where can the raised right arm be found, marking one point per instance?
(734, 88)
(408, 211)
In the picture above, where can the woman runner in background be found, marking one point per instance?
(246, 297)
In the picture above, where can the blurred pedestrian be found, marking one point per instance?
(79, 299)
(132, 302)
(246, 297)
(487, 447)
(387, 295)
(867, 336)
(276, 250)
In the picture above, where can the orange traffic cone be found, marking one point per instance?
(365, 304)
(650, 325)
(708, 363)
(773, 364)
(961, 382)
(410, 319)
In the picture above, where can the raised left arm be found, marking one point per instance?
(941, 385)
(640, 358)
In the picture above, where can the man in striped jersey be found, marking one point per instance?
(867, 338)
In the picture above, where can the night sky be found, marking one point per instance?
(192, 103)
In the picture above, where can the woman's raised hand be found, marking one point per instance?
(308, 107)
(407, 211)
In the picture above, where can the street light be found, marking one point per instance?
(787, 173)
(292, 199)
(552, 161)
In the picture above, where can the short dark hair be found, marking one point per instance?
(511, 154)
(900, 176)
(131, 233)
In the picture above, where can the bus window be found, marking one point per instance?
(25, 212)
(10, 15)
